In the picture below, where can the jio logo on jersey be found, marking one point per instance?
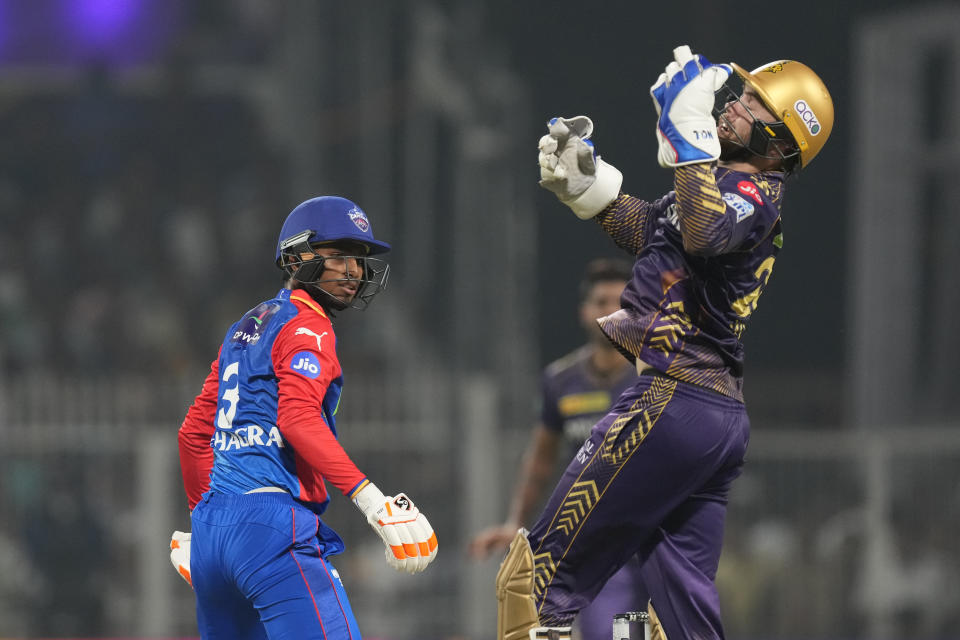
(306, 364)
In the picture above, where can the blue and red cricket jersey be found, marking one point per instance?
(265, 420)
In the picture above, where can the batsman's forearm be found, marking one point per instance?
(704, 223)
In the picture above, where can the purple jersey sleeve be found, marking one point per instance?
(698, 273)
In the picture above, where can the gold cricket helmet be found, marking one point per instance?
(798, 97)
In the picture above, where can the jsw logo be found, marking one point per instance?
(246, 337)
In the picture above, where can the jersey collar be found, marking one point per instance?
(301, 296)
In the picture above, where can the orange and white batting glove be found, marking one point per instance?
(410, 540)
(180, 554)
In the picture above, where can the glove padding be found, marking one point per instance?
(410, 540)
(571, 169)
(684, 96)
(180, 554)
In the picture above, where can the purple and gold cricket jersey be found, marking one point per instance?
(686, 307)
(574, 396)
(652, 480)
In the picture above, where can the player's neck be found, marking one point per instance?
(755, 164)
(742, 167)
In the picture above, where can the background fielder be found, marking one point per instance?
(576, 391)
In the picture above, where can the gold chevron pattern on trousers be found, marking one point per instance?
(602, 468)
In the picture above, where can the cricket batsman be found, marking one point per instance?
(652, 479)
(259, 445)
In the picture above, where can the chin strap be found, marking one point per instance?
(325, 299)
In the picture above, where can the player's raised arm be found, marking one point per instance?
(684, 96)
(571, 169)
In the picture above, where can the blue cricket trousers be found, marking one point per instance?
(259, 571)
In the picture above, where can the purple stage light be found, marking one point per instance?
(70, 32)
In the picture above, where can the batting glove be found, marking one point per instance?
(180, 554)
(409, 538)
(683, 97)
(571, 169)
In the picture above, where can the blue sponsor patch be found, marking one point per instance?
(743, 208)
(306, 364)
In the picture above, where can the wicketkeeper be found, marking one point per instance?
(652, 479)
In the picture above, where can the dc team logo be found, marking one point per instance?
(360, 219)
(306, 364)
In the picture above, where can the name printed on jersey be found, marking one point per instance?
(743, 208)
(249, 436)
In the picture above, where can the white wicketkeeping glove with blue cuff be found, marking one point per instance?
(571, 169)
(684, 96)
(409, 538)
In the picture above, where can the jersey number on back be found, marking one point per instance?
(230, 395)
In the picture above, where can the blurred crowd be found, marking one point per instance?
(133, 215)
(140, 219)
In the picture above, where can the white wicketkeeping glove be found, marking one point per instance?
(683, 96)
(410, 540)
(570, 168)
(180, 554)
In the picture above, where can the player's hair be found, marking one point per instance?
(604, 270)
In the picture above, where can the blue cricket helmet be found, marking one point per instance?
(330, 218)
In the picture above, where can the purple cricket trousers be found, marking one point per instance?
(651, 480)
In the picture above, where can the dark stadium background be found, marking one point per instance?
(149, 150)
